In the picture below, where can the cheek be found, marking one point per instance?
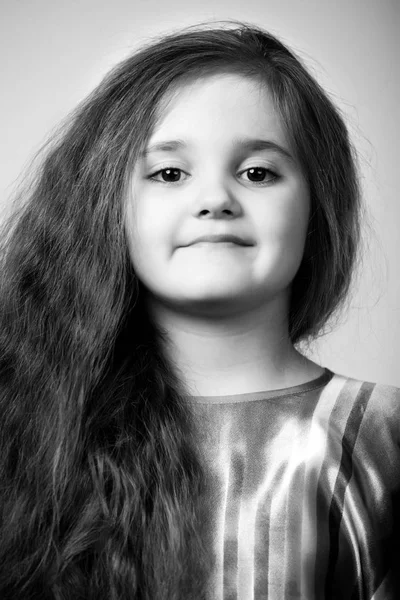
(294, 226)
(286, 219)
(147, 228)
(153, 215)
(283, 229)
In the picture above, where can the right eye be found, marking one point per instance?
(169, 175)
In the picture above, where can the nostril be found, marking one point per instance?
(206, 212)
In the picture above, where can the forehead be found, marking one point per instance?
(219, 102)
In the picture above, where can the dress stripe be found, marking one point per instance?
(344, 475)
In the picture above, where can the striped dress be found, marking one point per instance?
(304, 491)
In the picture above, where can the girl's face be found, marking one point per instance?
(217, 163)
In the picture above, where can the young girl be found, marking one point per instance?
(162, 437)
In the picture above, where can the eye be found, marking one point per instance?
(169, 175)
(260, 175)
(257, 175)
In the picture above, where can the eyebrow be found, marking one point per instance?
(249, 144)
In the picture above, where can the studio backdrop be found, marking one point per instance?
(54, 53)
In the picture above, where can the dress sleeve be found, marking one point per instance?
(377, 477)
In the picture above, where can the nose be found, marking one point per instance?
(216, 201)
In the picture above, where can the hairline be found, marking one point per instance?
(248, 71)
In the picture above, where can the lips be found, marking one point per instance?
(222, 238)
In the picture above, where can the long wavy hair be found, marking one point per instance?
(103, 493)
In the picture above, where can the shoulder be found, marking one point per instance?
(376, 394)
(376, 406)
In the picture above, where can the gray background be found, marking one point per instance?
(53, 54)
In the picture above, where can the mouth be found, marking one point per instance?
(220, 240)
(219, 245)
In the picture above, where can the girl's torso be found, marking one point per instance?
(303, 490)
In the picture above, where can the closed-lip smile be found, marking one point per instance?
(221, 238)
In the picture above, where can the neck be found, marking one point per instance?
(233, 353)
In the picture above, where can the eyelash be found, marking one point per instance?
(274, 175)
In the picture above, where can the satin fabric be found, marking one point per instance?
(304, 491)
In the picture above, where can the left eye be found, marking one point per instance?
(257, 175)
